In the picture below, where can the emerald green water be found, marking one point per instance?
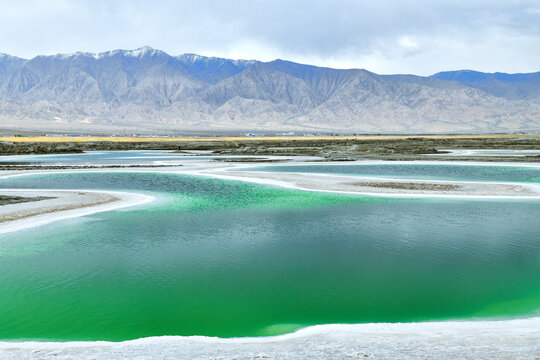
(218, 258)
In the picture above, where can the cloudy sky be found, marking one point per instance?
(385, 36)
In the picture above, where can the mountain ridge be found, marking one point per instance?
(148, 89)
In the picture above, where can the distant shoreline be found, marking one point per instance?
(91, 138)
(325, 148)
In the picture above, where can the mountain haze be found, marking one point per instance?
(148, 89)
(511, 86)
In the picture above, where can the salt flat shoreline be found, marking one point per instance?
(65, 204)
(375, 186)
(482, 339)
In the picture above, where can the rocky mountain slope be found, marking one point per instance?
(147, 89)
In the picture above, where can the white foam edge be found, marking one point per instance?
(503, 327)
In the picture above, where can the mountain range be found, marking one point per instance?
(149, 90)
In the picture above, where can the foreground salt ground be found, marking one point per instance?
(510, 339)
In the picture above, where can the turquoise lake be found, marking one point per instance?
(223, 258)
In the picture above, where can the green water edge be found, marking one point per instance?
(221, 258)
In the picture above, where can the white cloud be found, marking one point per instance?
(387, 36)
(407, 43)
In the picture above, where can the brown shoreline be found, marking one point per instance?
(409, 186)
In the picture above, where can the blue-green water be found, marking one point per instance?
(105, 157)
(418, 171)
(218, 258)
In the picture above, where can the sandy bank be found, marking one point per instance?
(388, 187)
(55, 201)
(510, 339)
(59, 205)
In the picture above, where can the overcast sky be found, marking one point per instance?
(385, 36)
